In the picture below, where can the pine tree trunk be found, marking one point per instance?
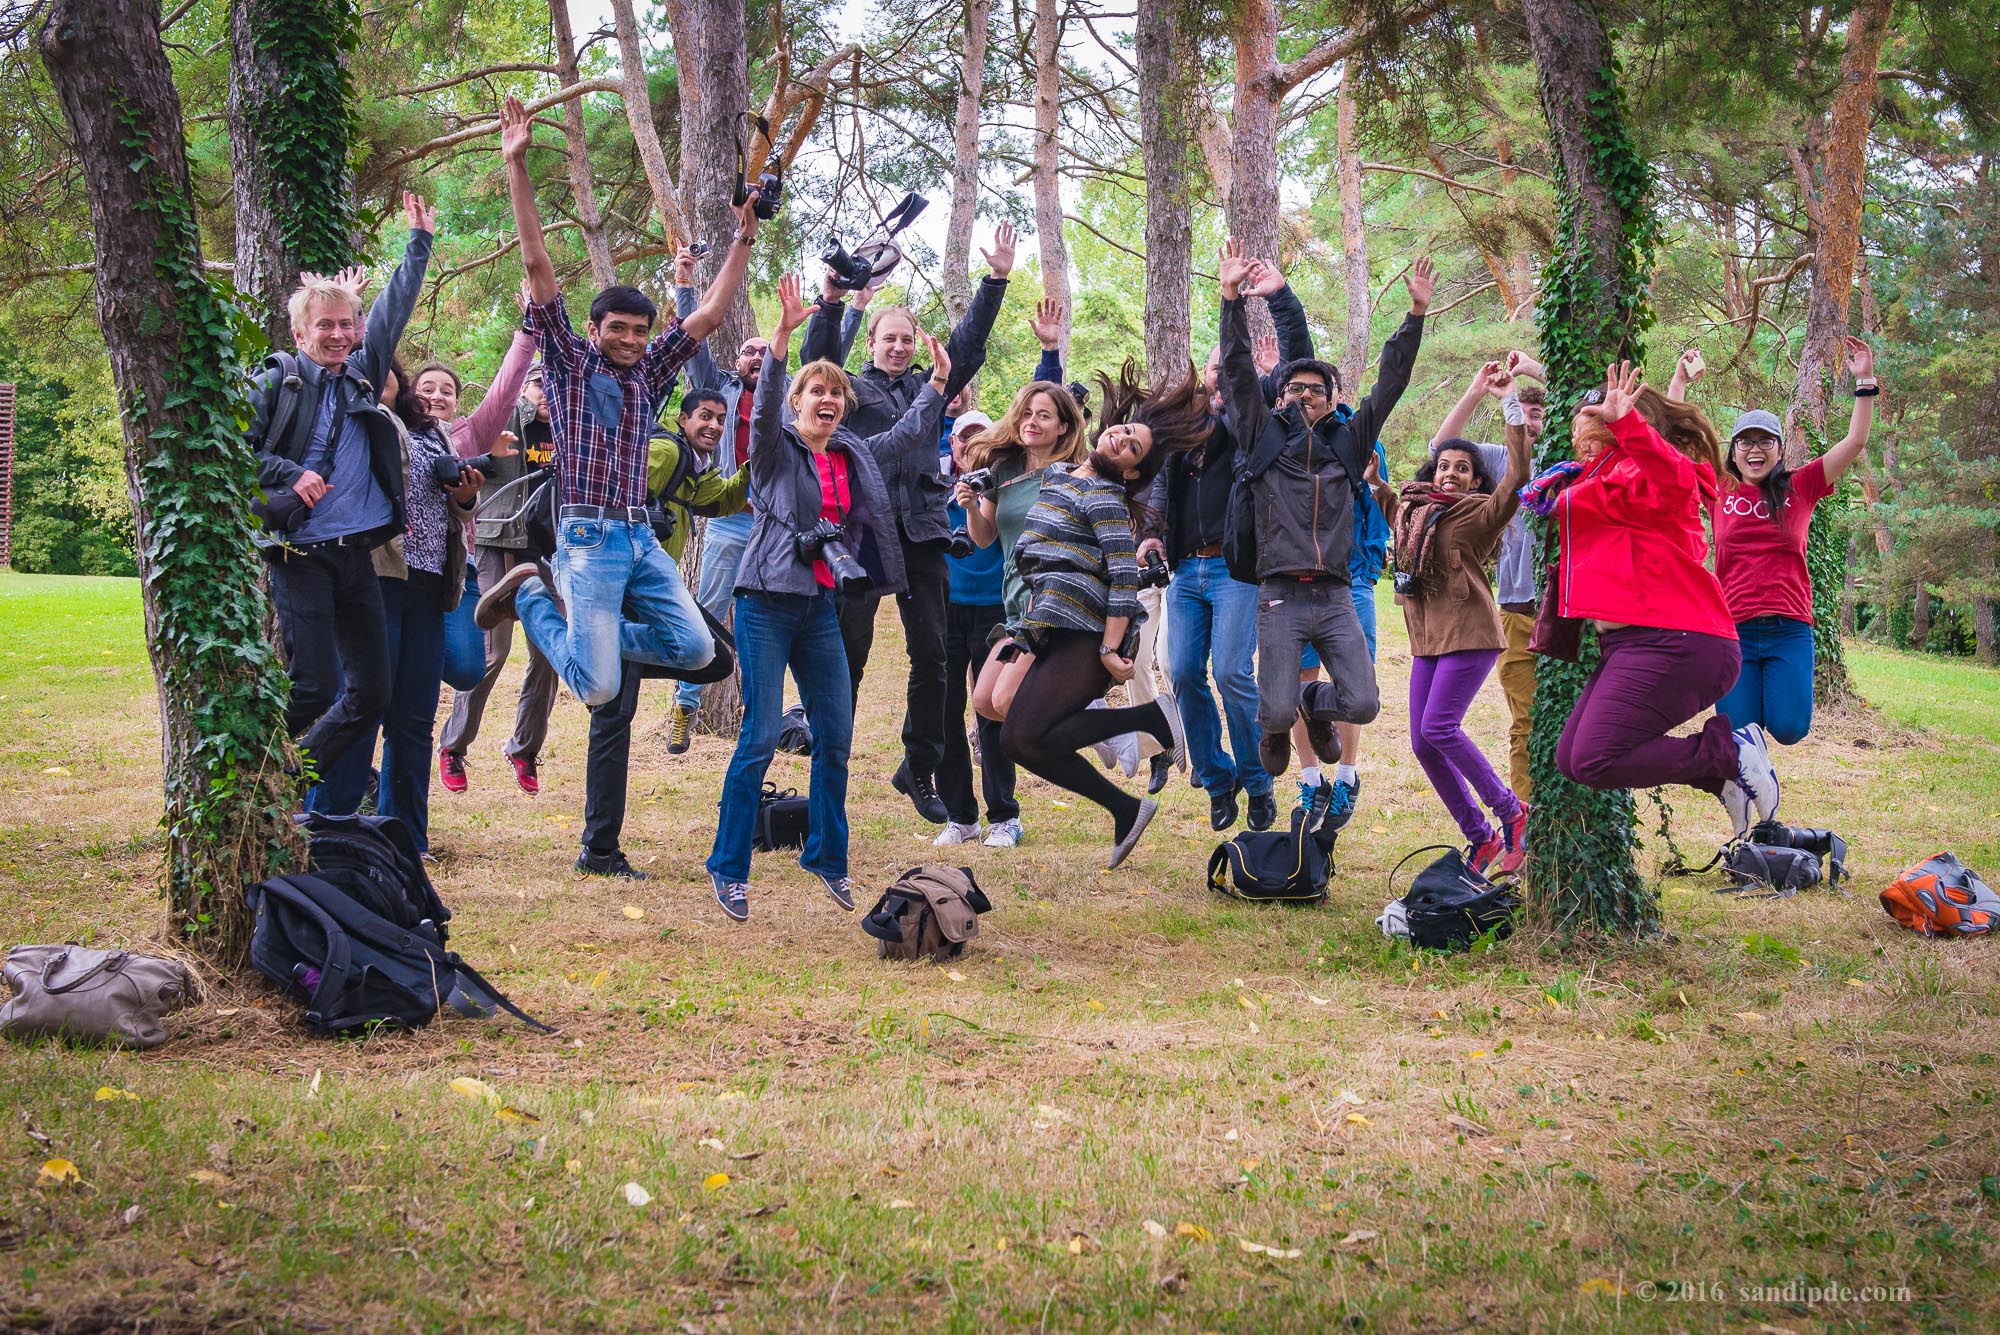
(1920, 618)
(639, 115)
(1353, 237)
(289, 135)
(1252, 207)
(583, 189)
(1047, 160)
(965, 160)
(226, 758)
(1168, 74)
(1580, 840)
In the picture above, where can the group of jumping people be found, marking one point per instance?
(1201, 539)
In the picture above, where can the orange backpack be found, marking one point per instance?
(1941, 896)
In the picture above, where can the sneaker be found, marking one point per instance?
(734, 896)
(1481, 855)
(1341, 803)
(956, 833)
(680, 729)
(497, 603)
(1755, 771)
(978, 751)
(1307, 793)
(842, 889)
(1003, 834)
(1274, 753)
(1736, 801)
(1514, 833)
(451, 771)
(1178, 752)
(922, 792)
(1222, 811)
(524, 774)
(1321, 804)
(1158, 768)
(608, 864)
(1123, 848)
(1263, 810)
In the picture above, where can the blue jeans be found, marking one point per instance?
(414, 611)
(774, 630)
(1775, 687)
(1213, 617)
(607, 567)
(722, 542)
(464, 643)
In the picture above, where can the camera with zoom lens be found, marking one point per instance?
(449, 470)
(849, 271)
(1154, 573)
(827, 541)
(979, 480)
(871, 262)
(962, 544)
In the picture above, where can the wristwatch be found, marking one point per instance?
(745, 241)
(1110, 651)
(1866, 388)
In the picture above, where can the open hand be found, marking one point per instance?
(940, 360)
(503, 448)
(864, 296)
(1264, 354)
(517, 131)
(792, 309)
(1520, 363)
(1000, 259)
(423, 218)
(1422, 282)
(1265, 280)
(1232, 268)
(1860, 357)
(1046, 323)
(1621, 391)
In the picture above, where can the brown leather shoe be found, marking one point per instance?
(1274, 753)
(497, 603)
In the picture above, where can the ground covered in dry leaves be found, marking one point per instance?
(1131, 1105)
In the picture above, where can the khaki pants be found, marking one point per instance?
(1517, 684)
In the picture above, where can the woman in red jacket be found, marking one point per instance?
(1632, 550)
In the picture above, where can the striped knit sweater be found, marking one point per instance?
(1075, 553)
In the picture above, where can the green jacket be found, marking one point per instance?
(703, 491)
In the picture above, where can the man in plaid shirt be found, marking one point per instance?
(622, 596)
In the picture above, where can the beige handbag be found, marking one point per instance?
(91, 996)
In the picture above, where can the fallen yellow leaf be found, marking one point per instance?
(1748, 1017)
(471, 1088)
(1359, 1119)
(573, 1166)
(1276, 1253)
(1476, 1053)
(509, 1113)
(1857, 982)
(954, 975)
(1243, 999)
(1603, 1286)
(207, 1177)
(1378, 829)
(597, 980)
(58, 1173)
(634, 912)
(715, 1182)
(900, 1204)
(1096, 1005)
(1358, 1237)
(1193, 1232)
(105, 1093)
(55, 769)
(1249, 1164)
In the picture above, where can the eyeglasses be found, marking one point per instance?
(1304, 389)
(1591, 398)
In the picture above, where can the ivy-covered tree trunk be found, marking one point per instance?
(177, 361)
(290, 128)
(1592, 311)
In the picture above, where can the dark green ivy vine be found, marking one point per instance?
(228, 795)
(1581, 840)
(306, 128)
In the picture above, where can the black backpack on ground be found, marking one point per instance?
(782, 820)
(1780, 860)
(1289, 866)
(1449, 903)
(359, 939)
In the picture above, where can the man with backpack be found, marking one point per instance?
(1297, 470)
(330, 462)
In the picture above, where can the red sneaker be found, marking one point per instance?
(524, 774)
(1480, 856)
(451, 771)
(1515, 834)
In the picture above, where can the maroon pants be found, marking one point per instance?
(1650, 682)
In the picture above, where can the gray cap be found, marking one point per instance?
(1757, 419)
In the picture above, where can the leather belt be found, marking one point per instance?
(1212, 549)
(1307, 576)
(630, 514)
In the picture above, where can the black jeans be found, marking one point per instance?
(608, 767)
(922, 606)
(966, 628)
(329, 607)
(1051, 720)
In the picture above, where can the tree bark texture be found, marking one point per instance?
(1353, 237)
(1920, 617)
(1983, 630)
(583, 189)
(225, 754)
(1047, 158)
(1252, 208)
(965, 160)
(1169, 76)
(639, 115)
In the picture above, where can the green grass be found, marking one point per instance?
(1951, 695)
(1790, 1092)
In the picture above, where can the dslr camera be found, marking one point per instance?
(1154, 573)
(872, 260)
(827, 541)
(449, 469)
(769, 194)
(962, 544)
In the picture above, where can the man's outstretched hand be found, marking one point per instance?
(1422, 282)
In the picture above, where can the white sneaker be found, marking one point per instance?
(954, 833)
(1003, 834)
(1757, 774)
(1121, 752)
(1736, 801)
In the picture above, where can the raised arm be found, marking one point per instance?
(967, 344)
(1506, 499)
(516, 133)
(767, 407)
(1454, 423)
(706, 318)
(390, 314)
(1046, 325)
(850, 325)
(1688, 368)
(823, 340)
(1399, 359)
(1842, 454)
(1288, 319)
(702, 370)
(1242, 392)
(475, 432)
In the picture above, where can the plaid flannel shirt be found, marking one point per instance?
(601, 415)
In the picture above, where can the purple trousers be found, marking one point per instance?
(1649, 683)
(1441, 690)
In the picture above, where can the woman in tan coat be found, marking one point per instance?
(1448, 523)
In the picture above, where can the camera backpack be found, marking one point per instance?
(1941, 896)
(929, 913)
(782, 820)
(1290, 866)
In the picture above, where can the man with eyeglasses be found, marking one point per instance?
(1304, 463)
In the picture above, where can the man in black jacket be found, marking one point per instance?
(1302, 464)
(885, 388)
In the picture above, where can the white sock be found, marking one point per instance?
(1346, 774)
(1310, 775)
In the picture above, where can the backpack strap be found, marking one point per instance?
(1218, 868)
(286, 407)
(499, 998)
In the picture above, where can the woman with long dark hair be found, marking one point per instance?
(1076, 556)
(1632, 549)
(1760, 551)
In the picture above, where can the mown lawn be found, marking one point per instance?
(1093, 1121)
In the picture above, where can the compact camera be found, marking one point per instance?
(980, 480)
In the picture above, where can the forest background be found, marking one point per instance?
(1399, 130)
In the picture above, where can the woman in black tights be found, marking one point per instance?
(1082, 624)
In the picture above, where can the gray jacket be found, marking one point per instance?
(280, 463)
(785, 490)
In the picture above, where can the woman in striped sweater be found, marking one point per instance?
(1082, 621)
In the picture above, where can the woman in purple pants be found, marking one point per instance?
(1448, 521)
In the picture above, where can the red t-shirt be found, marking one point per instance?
(743, 424)
(1762, 565)
(835, 500)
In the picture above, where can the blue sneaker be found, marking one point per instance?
(734, 896)
(1307, 791)
(840, 887)
(1340, 808)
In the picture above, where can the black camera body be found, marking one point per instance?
(449, 469)
(962, 544)
(979, 481)
(769, 194)
(872, 260)
(827, 541)
(1154, 573)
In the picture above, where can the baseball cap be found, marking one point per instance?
(1757, 419)
(971, 419)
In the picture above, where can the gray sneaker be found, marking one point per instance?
(734, 896)
(1124, 846)
(842, 889)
